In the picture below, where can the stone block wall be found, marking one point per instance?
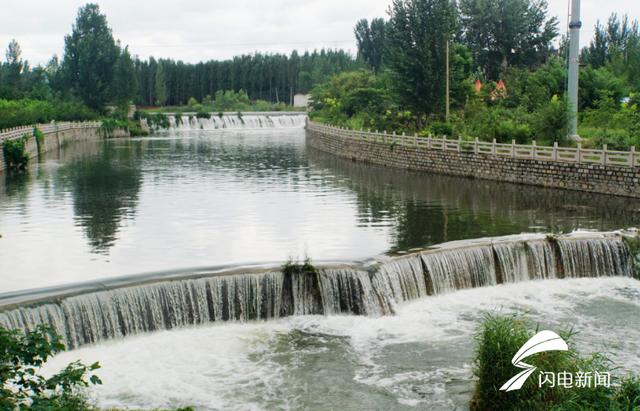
(615, 180)
(54, 140)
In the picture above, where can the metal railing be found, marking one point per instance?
(533, 151)
(18, 132)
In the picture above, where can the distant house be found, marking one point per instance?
(301, 100)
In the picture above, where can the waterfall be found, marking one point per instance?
(594, 257)
(238, 121)
(107, 314)
(348, 291)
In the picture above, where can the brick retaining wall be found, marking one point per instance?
(53, 139)
(596, 178)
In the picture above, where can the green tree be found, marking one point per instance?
(90, 57)
(21, 387)
(125, 84)
(15, 65)
(160, 85)
(417, 34)
(503, 33)
(371, 41)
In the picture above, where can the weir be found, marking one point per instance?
(234, 121)
(373, 288)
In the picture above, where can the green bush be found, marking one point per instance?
(21, 387)
(136, 130)
(500, 337)
(14, 113)
(110, 125)
(192, 102)
(440, 129)
(39, 138)
(551, 121)
(295, 268)
(507, 131)
(15, 153)
(203, 114)
(615, 139)
(159, 120)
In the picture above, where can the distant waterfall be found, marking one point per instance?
(237, 121)
(101, 315)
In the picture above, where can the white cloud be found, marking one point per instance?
(198, 30)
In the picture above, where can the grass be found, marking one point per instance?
(294, 267)
(500, 337)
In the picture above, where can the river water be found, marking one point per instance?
(186, 199)
(199, 198)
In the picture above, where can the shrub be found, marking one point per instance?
(136, 130)
(442, 129)
(21, 387)
(110, 125)
(15, 113)
(39, 138)
(500, 337)
(159, 121)
(192, 102)
(551, 121)
(291, 267)
(508, 130)
(203, 114)
(15, 153)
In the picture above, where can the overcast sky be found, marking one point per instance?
(197, 30)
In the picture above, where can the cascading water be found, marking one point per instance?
(95, 316)
(237, 121)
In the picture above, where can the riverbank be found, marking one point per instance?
(595, 171)
(54, 136)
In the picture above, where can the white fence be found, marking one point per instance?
(18, 132)
(577, 155)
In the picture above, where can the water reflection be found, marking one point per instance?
(430, 209)
(105, 189)
(179, 200)
(14, 184)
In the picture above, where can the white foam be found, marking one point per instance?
(221, 366)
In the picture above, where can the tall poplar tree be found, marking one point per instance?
(504, 33)
(90, 57)
(416, 34)
(371, 41)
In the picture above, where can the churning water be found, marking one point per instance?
(418, 359)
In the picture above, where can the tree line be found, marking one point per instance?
(271, 77)
(97, 71)
(507, 74)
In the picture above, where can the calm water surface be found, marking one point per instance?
(206, 198)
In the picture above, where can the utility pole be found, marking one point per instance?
(447, 84)
(574, 66)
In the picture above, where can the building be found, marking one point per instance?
(301, 100)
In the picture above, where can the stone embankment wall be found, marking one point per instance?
(589, 177)
(55, 136)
